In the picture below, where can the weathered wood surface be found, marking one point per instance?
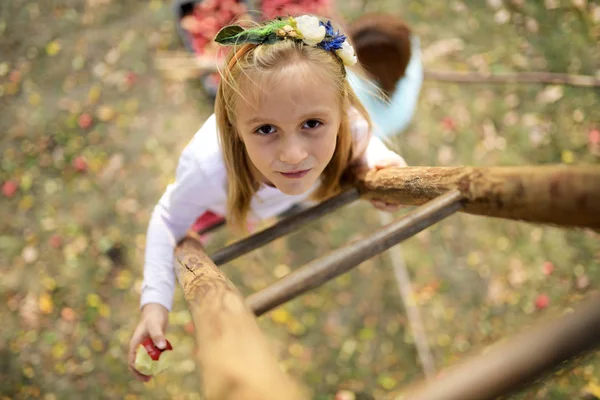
(234, 359)
(553, 194)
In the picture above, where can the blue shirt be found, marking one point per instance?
(391, 118)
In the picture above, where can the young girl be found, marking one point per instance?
(287, 125)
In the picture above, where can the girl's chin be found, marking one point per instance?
(294, 188)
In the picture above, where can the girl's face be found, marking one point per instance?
(289, 125)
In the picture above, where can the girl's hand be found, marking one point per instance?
(394, 161)
(153, 324)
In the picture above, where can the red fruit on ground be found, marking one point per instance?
(9, 188)
(542, 301)
(130, 78)
(55, 241)
(448, 123)
(79, 163)
(547, 268)
(84, 121)
(14, 76)
(594, 137)
(189, 328)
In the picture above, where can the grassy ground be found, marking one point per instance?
(79, 91)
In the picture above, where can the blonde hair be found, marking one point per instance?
(270, 58)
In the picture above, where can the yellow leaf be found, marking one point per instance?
(46, 304)
(26, 203)
(84, 352)
(104, 310)
(93, 300)
(473, 258)
(567, 157)
(105, 113)
(94, 94)
(280, 316)
(26, 182)
(59, 350)
(11, 88)
(28, 372)
(60, 368)
(386, 382)
(35, 99)
(123, 280)
(97, 345)
(593, 389)
(53, 48)
(443, 340)
(49, 283)
(4, 68)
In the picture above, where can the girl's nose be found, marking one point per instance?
(293, 151)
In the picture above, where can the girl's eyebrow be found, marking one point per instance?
(322, 112)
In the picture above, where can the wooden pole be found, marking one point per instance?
(407, 295)
(510, 365)
(316, 273)
(517, 77)
(283, 227)
(234, 357)
(552, 194)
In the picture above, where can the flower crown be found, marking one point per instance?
(306, 28)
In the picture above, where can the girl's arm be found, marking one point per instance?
(196, 188)
(370, 151)
(180, 205)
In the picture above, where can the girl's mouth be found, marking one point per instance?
(295, 174)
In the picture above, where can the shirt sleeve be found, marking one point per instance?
(378, 151)
(367, 146)
(181, 204)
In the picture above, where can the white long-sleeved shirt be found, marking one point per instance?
(201, 185)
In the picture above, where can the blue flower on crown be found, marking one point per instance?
(333, 40)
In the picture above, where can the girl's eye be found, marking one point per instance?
(265, 130)
(312, 124)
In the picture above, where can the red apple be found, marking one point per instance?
(153, 351)
(79, 163)
(547, 268)
(55, 241)
(10, 188)
(84, 121)
(542, 301)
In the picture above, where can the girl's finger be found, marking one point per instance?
(134, 343)
(378, 204)
(139, 376)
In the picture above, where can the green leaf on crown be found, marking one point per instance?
(229, 34)
(236, 35)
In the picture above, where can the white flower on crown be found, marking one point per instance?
(347, 54)
(311, 32)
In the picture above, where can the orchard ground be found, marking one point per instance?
(91, 132)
